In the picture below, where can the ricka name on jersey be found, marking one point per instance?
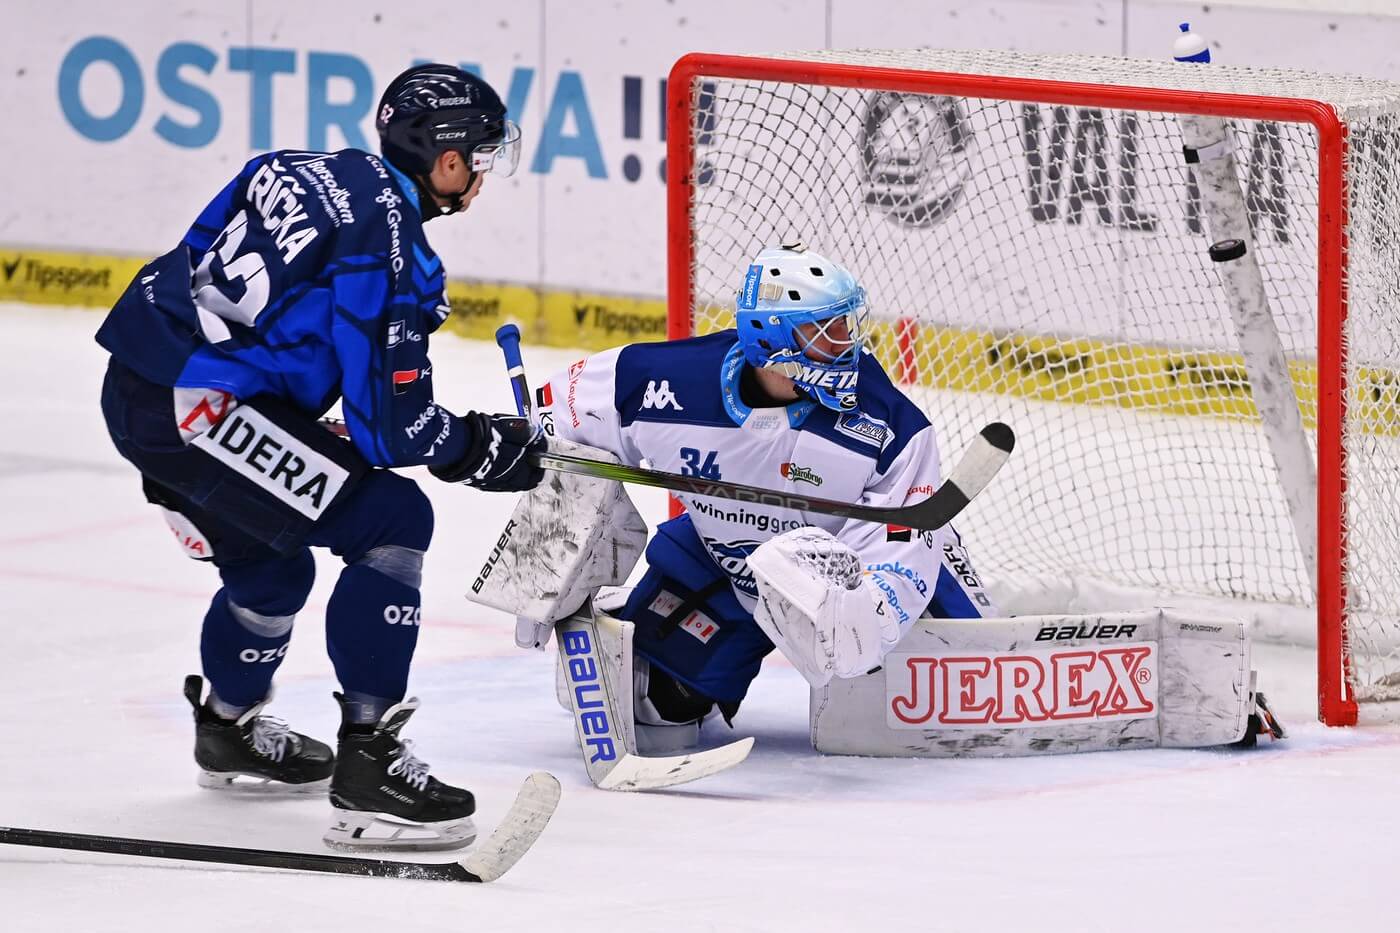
(276, 195)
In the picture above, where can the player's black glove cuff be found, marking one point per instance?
(497, 456)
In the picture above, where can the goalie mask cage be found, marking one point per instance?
(1034, 248)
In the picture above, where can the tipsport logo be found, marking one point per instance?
(181, 95)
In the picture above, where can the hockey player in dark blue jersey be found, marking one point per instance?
(309, 280)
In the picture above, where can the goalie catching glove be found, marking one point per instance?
(497, 458)
(819, 608)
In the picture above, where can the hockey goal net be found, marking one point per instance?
(1034, 245)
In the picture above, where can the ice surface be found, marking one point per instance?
(100, 620)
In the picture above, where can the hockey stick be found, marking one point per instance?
(981, 461)
(603, 738)
(987, 453)
(511, 839)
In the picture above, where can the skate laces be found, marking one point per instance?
(413, 770)
(269, 737)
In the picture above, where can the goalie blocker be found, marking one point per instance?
(1049, 684)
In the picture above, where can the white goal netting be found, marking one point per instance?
(1045, 264)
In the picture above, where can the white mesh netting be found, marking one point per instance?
(1046, 265)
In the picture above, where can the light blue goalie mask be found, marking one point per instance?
(804, 316)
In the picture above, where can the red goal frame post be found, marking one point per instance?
(1336, 703)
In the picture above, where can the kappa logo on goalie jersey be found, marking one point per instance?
(274, 460)
(659, 395)
(1021, 689)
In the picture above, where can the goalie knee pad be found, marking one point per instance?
(667, 714)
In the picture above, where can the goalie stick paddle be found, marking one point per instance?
(511, 839)
(608, 757)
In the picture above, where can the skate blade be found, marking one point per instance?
(359, 830)
(241, 782)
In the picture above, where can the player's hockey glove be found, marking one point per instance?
(497, 457)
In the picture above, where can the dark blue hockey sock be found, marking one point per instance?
(238, 659)
(248, 627)
(371, 632)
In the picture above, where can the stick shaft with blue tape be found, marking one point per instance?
(508, 339)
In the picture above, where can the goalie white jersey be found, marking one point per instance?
(677, 406)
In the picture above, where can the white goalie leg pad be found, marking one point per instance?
(817, 607)
(1045, 685)
(566, 538)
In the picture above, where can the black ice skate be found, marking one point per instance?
(383, 797)
(253, 752)
(1261, 722)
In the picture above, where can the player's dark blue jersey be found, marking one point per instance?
(307, 278)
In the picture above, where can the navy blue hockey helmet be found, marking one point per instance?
(430, 109)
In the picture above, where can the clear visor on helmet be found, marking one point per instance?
(499, 158)
(837, 338)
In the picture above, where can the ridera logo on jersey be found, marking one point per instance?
(799, 474)
(898, 533)
(658, 395)
(404, 380)
(277, 462)
(1022, 689)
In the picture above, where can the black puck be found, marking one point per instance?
(1226, 250)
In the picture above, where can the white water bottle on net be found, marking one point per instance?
(1037, 249)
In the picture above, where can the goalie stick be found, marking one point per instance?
(981, 461)
(987, 453)
(511, 839)
(601, 733)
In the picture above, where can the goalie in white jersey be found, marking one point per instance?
(791, 400)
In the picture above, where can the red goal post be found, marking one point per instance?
(711, 234)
